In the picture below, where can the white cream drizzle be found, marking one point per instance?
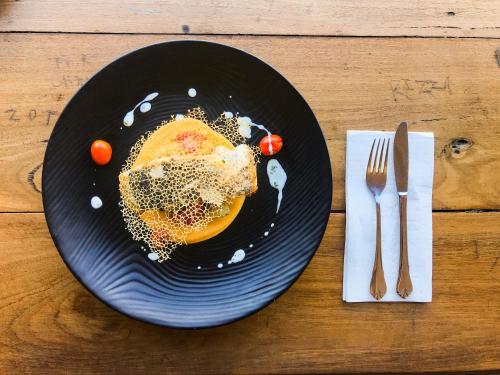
(277, 178)
(245, 129)
(128, 120)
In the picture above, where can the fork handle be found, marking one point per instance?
(404, 286)
(377, 285)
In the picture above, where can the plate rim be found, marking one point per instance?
(220, 322)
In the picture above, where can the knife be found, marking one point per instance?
(404, 286)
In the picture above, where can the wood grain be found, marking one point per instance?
(313, 17)
(450, 87)
(51, 324)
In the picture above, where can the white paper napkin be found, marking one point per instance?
(361, 220)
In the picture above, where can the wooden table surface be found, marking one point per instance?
(361, 65)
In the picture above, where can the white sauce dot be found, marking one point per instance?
(237, 257)
(266, 234)
(93, 183)
(199, 267)
(153, 256)
(272, 225)
(220, 265)
(192, 92)
(96, 202)
(145, 107)
(179, 116)
(250, 246)
(230, 96)
(228, 114)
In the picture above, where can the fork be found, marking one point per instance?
(376, 176)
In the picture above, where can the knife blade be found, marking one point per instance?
(404, 286)
(401, 158)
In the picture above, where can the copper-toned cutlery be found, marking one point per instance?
(404, 286)
(376, 177)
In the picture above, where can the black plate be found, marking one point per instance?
(95, 244)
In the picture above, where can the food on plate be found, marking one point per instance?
(101, 152)
(186, 181)
(271, 144)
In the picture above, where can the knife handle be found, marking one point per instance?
(404, 286)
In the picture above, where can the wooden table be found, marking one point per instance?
(361, 65)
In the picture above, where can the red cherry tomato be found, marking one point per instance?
(101, 152)
(271, 144)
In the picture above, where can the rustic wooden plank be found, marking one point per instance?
(451, 87)
(49, 323)
(286, 17)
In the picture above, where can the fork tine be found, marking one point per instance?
(381, 158)
(376, 161)
(369, 165)
(387, 155)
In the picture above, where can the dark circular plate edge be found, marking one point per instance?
(154, 322)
